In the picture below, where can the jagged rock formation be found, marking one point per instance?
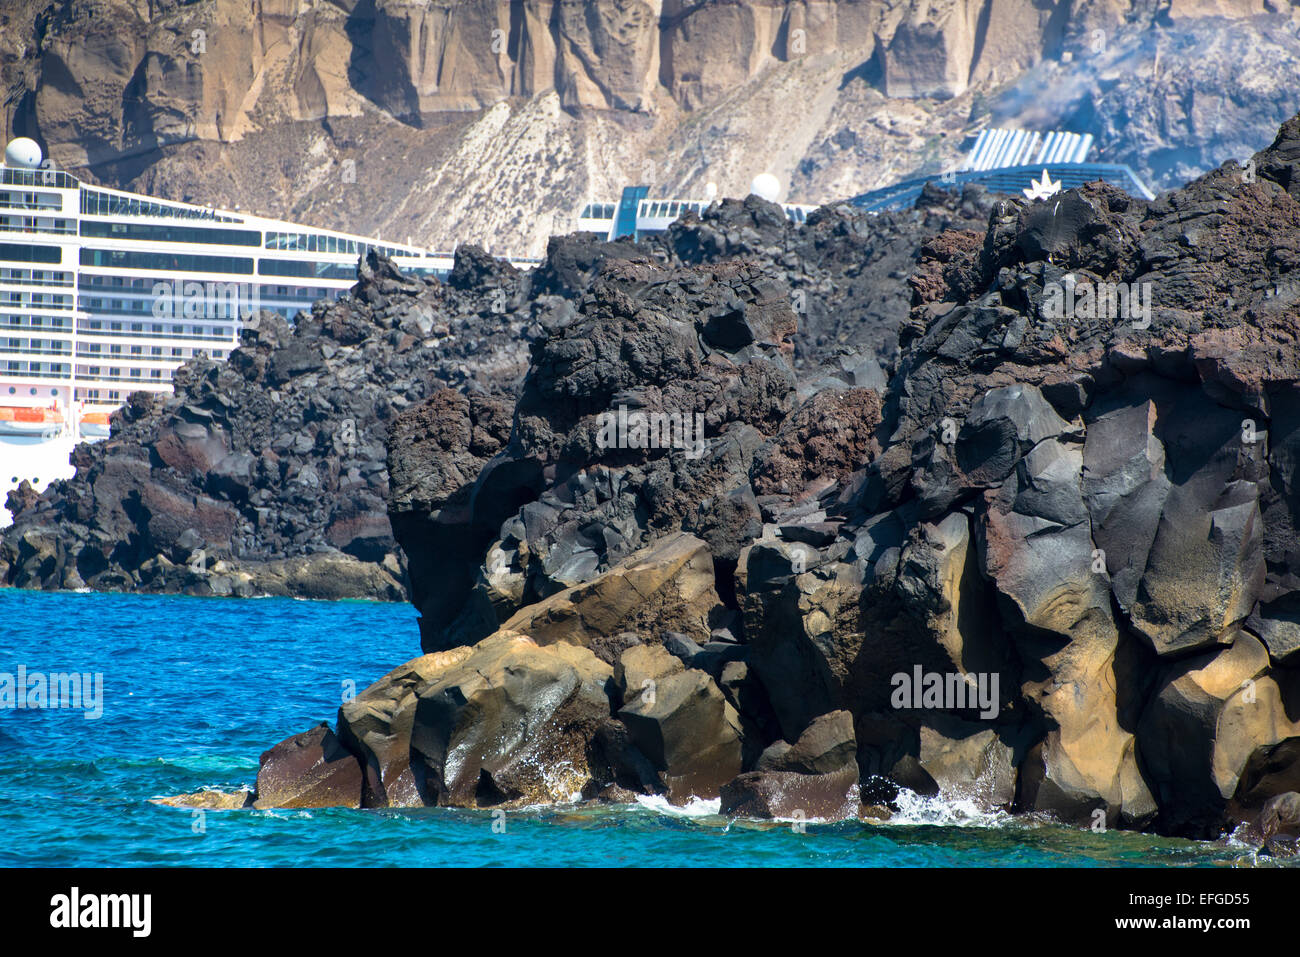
(494, 122)
(1059, 578)
(266, 474)
(273, 466)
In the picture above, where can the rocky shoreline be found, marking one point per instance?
(1049, 564)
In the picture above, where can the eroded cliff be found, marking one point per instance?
(493, 122)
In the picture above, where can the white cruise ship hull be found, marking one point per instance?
(34, 458)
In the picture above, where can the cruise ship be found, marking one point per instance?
(1015, 162)
(637, 213)
(105, 292)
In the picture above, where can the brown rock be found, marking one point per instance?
(1224, 701)
(787, 794)
(376, 726)
(209, 800)
(688, 732)
(665, 586)
(826, 745)
(640, 667)
(512, 721)
(311, 769)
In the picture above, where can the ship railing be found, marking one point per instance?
(51, 178)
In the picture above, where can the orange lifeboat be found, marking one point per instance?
(29, 421)
(94, 425)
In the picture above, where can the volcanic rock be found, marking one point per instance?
(311, 769)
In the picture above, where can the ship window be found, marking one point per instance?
(167, 261)
(30, 254)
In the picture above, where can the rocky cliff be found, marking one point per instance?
(494, 122)
(267, 474)
(1050, 567)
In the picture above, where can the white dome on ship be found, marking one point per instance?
(23, 153)
(766, 186)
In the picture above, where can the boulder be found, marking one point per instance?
(832, 796)
(639, 669)
(1002, 426)
(376, 726)
(689, 733)
(1124, 487)
(968, 762)
(1272, 769)
(511, 721)
(209, 800)
(803, 624)
(940, 755)
(1205, 568)
(826, 745)
(312, 769)
(1281, 816)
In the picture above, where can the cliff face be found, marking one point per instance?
(493, 122)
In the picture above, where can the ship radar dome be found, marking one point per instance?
(23, 153)
(766, 186)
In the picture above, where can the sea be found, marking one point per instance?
(195, 689)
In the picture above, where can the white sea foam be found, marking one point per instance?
(695, 807)
(951, 811)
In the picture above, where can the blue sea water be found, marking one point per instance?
(194, 689)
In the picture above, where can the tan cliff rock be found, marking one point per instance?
(494, 122)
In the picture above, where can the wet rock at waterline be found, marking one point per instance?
(311, 769)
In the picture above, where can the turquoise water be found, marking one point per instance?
(195, 689)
